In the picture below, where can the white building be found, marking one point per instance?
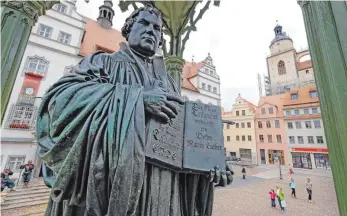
(304, 128)
(201, 82)
(53, 48)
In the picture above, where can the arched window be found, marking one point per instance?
(281, 68)
(105, 12)
(109, 15)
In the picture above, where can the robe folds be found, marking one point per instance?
(91, 133)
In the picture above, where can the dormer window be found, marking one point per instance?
(294, 96)
(61, 8)
(313, 94)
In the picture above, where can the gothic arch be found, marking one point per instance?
(281, 67)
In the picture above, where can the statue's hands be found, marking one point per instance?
(222, 178)
(160, 104)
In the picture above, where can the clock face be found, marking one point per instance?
(29, 91)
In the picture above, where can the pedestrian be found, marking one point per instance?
(243, 173)
(273, 198)
(28, 168)
(292, 186)
(282, 200)
(6, 181)
(309, 189)
(291, 172)
(278, 196)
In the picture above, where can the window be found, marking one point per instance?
(203, 85)
(279, 138)
(243, 138)
(314, 110)
(307, 71)
(21, 117)
(237, 125)
(237, 138)
(214, 90)
(269, 138)
(310, 140)
(277, 123)
(281, 68)
(261, 138)
(313, 94)
(61, 8)
(64, 37)
(211, 72)
(308, 124)
(45, 31)
(248, 124)
(306, 112)
(208, 88)
(249, 138)
(36, 64)
(298, 125)
(316, 123)
(243, 112)
(14, 162)
(271, 110)
(291, 140)
(243, 125)
(290, 125)
(268, 124)
(288, 113)
(262, 110)
(320, 140)
(237, 113)
(294, 96)
(260, 124)
(297, 112)
(228, 138)
(300, 139)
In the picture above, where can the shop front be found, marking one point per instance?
(308, 158)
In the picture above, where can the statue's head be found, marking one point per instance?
(143, 30)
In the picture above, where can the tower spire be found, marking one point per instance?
(106, 14)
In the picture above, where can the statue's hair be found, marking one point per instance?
(132, 19)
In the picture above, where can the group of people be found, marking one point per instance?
(280, 195)
(6, 181)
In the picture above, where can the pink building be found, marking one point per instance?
(270, 131)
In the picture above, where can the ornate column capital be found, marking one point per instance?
(33, 9)
(174, 66)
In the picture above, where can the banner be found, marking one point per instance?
(29, 88)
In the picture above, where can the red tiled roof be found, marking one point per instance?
(304, 98)
(304, 65)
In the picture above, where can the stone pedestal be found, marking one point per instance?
(17, 19)
(326, 29)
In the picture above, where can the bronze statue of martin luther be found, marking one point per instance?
(91, 134)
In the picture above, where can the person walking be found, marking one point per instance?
(6, 181)
(282, 200)
(243, 173)
(291, 172)
(292, 186)
(278, 196)
(273, 198)
(309, 189)
(28, 168)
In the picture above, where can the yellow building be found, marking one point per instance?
(239, 139)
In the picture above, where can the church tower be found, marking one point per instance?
(106, 14)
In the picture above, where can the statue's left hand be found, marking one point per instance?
(222, 178)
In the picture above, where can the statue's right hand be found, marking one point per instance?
(160, 104)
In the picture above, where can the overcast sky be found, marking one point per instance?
(237, 34)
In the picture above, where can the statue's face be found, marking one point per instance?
(145, 33)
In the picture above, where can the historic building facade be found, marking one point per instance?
(272, 145)
(304, 129)
(53, 48)
(239, 139)
(287, 67)
(201, 82)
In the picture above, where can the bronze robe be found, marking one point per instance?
(91, 134)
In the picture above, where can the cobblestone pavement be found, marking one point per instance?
(250, 197)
